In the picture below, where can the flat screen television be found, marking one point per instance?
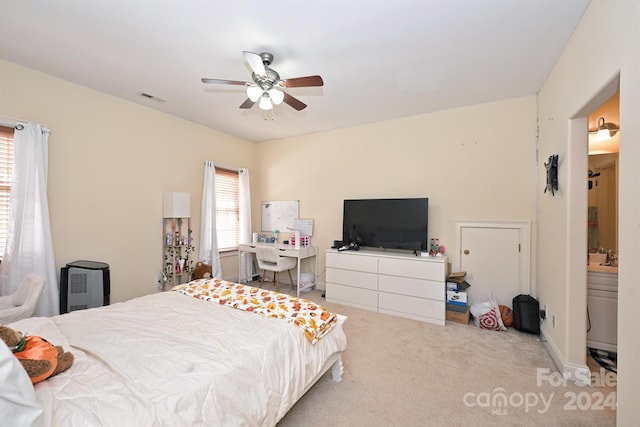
(386, 223)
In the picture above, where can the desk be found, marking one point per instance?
(285, 250)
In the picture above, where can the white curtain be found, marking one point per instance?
(29, 243)
(208, 252)
(244, 207)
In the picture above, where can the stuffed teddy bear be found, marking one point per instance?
(38, 357)
(202, 271)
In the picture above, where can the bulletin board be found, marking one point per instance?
(279, 215)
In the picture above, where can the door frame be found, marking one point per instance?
(524, 229)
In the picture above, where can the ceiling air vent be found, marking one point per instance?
(151, 97)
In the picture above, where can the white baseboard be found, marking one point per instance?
(579, 374)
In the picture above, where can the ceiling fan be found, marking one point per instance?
(267, 84)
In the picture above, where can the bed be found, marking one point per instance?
(175, 360)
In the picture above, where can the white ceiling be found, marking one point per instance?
(379, 59)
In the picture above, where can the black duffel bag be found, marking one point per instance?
(526, 314)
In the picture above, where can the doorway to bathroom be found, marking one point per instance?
(602, 234)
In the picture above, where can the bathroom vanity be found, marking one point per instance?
(602, 306)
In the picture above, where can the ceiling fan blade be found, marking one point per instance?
(255, 62)
(302, 81)
(294, 102)
(224, 82)
(247, 103)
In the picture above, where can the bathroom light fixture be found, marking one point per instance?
(605, 131)
(601, 139)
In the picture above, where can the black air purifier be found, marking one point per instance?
(84, 284)
(526, 314)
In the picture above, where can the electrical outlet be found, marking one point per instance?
(553, 320)
(544, 312)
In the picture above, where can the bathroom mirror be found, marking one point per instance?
(603, 202)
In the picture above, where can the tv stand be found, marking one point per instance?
(400, 284)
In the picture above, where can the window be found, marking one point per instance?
(6, 172)
(227, 210)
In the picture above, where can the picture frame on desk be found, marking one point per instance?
(304, 226)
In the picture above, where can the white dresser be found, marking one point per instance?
(400, 284)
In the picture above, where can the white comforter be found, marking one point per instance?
(172, 360)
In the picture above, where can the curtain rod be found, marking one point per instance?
(18, 124)
(221, 166)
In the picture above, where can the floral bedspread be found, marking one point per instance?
(314, 320)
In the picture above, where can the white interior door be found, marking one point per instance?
(495, 257)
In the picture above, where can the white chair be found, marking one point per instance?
(269, 259)
(22, 303)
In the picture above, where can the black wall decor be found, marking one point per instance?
(552, 174)
(592, 174)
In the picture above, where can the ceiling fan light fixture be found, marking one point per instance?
(254, 92)
(276, 96)
(265, 102)
(266, 86)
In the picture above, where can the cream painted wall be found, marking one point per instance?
(109, 163)
(603, 46)
(474, 163)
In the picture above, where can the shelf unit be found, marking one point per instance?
(177, 252)
(398, 284)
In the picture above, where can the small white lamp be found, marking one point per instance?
(177, 205)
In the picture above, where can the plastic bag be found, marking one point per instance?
(486, 315)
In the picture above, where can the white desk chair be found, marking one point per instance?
(22, 303)
(270, 260)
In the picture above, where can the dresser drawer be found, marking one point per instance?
(351, 261)
(411, 287)
(357, 279)
(411, 306)
(419, 269)
(356, 297)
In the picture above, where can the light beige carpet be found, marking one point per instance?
(401, 372)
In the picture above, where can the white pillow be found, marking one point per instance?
(21, 295)
(17, 396)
